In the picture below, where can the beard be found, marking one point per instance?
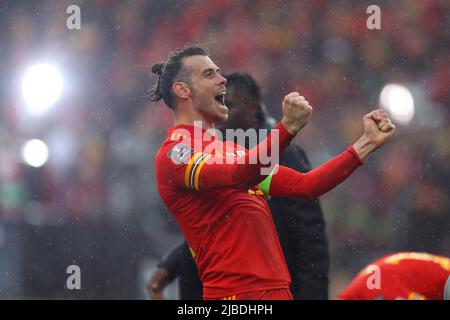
(208, 107)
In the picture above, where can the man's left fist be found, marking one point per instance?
(378, 127)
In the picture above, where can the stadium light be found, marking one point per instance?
(42, 86)
(35, 153)
(398, 101)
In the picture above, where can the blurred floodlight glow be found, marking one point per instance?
(398, 100)
(42, 86)
(35, 153)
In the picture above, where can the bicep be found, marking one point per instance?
(200, 171)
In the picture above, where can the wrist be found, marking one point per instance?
(364, 147)
(290, 126)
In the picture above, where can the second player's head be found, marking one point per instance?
(190, 82)
(243, 100)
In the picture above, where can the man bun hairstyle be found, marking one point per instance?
(157, 68)
(170, 72)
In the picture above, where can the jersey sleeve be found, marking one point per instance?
(185, 168)
(286, 182)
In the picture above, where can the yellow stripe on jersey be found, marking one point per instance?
(187, 173)
(197, 172)
(194, 169)
(398, 257)
(415, 296)
(192, 252)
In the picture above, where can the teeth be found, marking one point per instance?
(221, 98)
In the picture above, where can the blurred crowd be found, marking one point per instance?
(95, 204)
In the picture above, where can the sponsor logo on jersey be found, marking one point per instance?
(179, 153)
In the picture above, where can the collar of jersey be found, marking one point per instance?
(191, 130)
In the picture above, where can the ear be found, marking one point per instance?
(181, 90)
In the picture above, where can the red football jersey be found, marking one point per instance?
(211, 187)
(228, 227)
(405, 275)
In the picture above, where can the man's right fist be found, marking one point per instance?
(296, 112)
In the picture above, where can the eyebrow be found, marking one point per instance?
(209, 70)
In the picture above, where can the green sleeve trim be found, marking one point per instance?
(264, 185)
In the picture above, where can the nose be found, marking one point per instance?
(223, 80)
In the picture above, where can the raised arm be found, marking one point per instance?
(286, 182)
(200, 170)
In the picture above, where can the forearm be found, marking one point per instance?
(364, 147)
(290, 183)
(172, 260)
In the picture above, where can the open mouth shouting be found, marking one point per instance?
(220, 99)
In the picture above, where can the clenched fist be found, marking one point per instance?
(296, 112)
(378, 129)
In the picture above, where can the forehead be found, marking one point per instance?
(198, 64)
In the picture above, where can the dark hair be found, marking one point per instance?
(172, 71)
(246, 82)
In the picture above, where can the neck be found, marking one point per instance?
(188, 116)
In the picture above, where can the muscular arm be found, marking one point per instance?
(248, 173)
(290, 183)
(201, 170)
(378, 129)
(204, 171)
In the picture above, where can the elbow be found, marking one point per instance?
(245, 179)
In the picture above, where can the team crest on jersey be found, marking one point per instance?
(179, 153)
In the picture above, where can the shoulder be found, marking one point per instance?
(173, 152)
(172, 162)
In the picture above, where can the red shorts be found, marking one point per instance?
(276, 294)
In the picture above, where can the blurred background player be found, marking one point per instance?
(299, 222)
(402, 276)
